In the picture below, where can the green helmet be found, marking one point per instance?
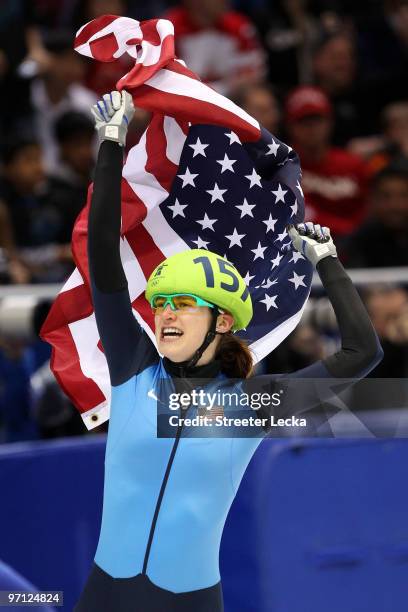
(207, 275)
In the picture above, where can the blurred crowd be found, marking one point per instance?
(327, 76)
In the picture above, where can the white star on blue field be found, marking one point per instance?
(219, 202)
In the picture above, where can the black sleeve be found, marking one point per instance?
(105, 264)
(360, 351)
(127, 347)
(360, 347)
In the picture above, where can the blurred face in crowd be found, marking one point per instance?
(78, 153)
(396, 124)
(335, 64)
(307, 342)
(262, 104)
(26, 169)
(390, 202)
(67, 67)
(97, 8)
(205, 12)
(311, 134)
(398, 16)
(388, 310)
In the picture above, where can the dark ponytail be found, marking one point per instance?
(235, 356)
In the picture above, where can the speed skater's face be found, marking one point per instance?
(179, 334)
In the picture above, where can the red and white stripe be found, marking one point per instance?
(159, 82)
(177, 98)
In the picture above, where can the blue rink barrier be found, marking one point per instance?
(317, 525)
(329, 531)
(50, 511)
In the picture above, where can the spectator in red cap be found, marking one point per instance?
(334, 180)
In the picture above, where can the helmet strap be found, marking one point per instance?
(209, 337)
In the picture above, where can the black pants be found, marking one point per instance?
(139, 594)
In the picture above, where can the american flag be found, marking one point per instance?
(220, 203)
(187, 184)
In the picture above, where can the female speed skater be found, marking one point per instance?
(166, 500)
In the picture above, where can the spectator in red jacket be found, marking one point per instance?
(220, 45)
(334, 180)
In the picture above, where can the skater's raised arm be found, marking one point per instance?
(127, 347)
